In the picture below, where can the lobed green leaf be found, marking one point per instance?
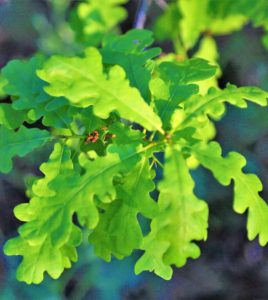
(93, 19)
(246, 186)
(130, 51)
(83, 82)
(182, 219)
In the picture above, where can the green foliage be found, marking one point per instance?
(177, 83)
(9, 117)
(246, 186)
(69, 77)
(23, 84)
(215, 17)
(187, 22)
(19, 143)
(129, 51)
(181, 214)
(92, 19)
(111, 112)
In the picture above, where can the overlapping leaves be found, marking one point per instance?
(110, 121)
(92, 19)
(176, 84)
(187, 20)
(131, 52)
(199, 108)
(83, 82)
(182, 218)
(25, 88)
(49, 216)
(118, 232)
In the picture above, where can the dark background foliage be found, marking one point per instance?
(230, 266)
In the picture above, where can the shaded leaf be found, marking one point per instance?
(19, 143)
(23, 84)
(11, 118)
(130, 52)
(176, 85)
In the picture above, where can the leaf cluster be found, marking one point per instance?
(185, 22)
(110, 113)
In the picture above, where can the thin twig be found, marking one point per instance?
(161, 3)
(141, 14)
(158, 161)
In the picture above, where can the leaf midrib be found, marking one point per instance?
(124, 103)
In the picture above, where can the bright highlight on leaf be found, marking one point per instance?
(182, 219)
(83, 82)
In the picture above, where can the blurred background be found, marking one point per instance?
(230, 266)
